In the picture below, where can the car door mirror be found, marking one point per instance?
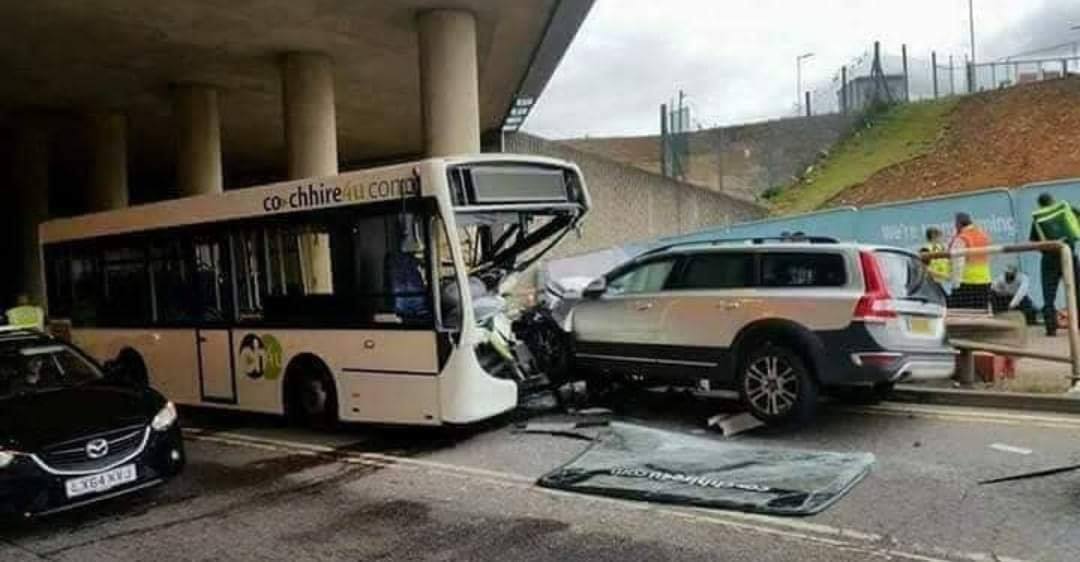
(595, 288)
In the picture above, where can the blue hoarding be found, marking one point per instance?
(1004, 214)
(905, 224)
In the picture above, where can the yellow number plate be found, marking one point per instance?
(920, 325)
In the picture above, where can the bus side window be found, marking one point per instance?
(443, 265)
(390, 279)
(172, 282)
(249, 252)
(287, 273)
(58, 266)
(126, 285)
(213, 290)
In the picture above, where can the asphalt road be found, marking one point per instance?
(256, 490)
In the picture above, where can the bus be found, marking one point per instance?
(342, 298)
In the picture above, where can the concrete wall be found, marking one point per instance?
(630, 204)
(742, 161)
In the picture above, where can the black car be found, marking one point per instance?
(72, 434)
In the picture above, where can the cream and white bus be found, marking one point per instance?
(335, 298)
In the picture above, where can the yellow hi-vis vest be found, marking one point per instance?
(977, 266)
(940, 268)
(1056, 222)
(26, 316)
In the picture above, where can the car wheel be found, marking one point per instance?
(776, 386)
(312, 399)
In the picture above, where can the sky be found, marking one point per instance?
(735, 59)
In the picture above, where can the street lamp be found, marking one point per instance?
(971, 29)
(798, 81)
(1075, 43)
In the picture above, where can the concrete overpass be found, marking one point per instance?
(107, 103)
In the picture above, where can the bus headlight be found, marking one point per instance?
(165, 418)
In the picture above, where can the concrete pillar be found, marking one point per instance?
(109, 172)
(31, 182)
(449, 83)
(310, 122)
(198, 140)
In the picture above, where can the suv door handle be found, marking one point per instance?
(729, 305)
(642, 306)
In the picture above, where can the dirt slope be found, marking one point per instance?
(1003, 138)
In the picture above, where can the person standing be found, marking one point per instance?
(970, 273)
(939, 268)
(1054, 221)
(26, 315)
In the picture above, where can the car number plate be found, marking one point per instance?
(920, 325)
(100, 482)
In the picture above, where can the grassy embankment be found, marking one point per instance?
(895, 135)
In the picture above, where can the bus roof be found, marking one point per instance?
(360, 187)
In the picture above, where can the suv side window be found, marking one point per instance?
(644, 278)
(716, 270)
(810, 269)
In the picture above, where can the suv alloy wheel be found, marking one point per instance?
(776, 386)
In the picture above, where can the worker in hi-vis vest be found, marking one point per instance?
(940, 268)
(971, 273)
(26, 315)
(1054, 221)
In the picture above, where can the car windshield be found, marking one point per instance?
(42, 368)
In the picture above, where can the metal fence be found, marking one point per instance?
(910, 76)
(1003, 74)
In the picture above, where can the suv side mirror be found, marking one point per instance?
(595, 288)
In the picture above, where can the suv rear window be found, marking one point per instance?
(808, 269)
(906, 277)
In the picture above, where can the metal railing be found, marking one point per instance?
(967, 319)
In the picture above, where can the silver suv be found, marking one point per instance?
(779, 321)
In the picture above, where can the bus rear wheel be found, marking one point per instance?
(310, 398)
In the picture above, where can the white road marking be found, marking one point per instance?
(949, 413)
(834, 537)
(1010, 449)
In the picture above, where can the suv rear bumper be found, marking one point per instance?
(899, 366)
(852, 356)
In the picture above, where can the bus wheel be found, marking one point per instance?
(311, 399)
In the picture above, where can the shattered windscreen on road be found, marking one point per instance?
(635, 462)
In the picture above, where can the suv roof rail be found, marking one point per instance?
(751, 240)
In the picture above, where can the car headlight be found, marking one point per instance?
(165, 418)
(6, 458)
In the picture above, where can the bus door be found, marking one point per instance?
(213, 338)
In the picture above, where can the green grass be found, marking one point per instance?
(898, 134)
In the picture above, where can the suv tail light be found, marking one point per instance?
(876, 303)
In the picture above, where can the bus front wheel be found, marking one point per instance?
(310, 397)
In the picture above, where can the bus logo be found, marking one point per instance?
(260, 357)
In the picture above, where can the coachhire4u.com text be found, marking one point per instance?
(312, 195)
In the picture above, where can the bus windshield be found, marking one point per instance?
(509, 216)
